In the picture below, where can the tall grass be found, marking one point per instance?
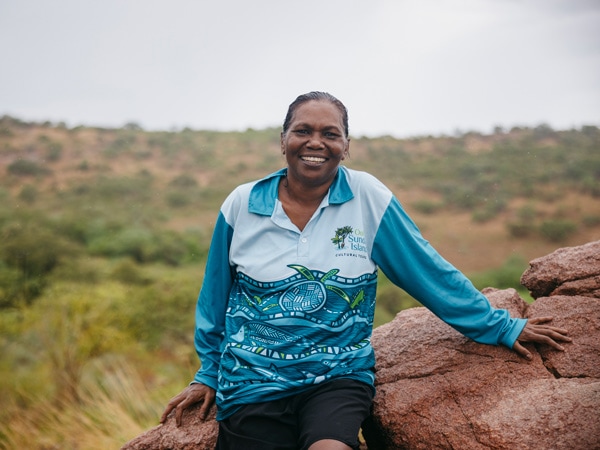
(113, 406)
(91, 365)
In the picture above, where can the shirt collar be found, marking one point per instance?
(264, 192)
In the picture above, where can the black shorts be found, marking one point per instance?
(332, 410)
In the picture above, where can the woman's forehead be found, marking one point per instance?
(317, 110)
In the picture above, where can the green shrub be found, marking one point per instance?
(163, 312)
(504, 277)
(122, 188)
(520, 229)
(591, 220)
(557, 230)
(34, 252)
(143, 245)
(527, 213)
(134, 242)
(129, 273)
(28, 194)
(427, 206)
(54, 151)
(178, 199)
(26, 167)
(81, 270)
(32, 249)
(183, 181)
(524, 225)
(122, 144)
(10, 286)
(489, 211)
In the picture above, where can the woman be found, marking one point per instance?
(285, 313)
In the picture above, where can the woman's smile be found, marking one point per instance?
(313, 160)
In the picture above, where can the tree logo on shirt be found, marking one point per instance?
(340, 236)
(350, 241)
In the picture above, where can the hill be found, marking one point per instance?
(478, 198)
(104, 233)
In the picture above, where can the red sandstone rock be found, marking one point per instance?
(567, 271)
(436, 389)
(581, 317)
(194, 434)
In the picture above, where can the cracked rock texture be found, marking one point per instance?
(437, 389)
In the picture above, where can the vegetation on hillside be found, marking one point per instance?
(104, 234)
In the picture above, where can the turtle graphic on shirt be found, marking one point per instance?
(310, 294)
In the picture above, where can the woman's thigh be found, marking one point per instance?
(333, 410)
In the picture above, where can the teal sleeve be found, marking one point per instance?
(411, 263)
(212, 304)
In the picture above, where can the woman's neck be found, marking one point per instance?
(302, 193)
(300, 201)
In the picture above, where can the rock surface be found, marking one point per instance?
(194, 434)
(567, 271)
(438, 389)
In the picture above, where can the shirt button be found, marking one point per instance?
(304, 240)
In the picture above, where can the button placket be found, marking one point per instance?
(303, 245)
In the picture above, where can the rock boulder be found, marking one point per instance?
(567, 271)
(194, 434)
(437, 389)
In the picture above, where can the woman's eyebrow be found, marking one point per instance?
(324, 128)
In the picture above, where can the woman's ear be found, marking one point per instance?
(346, 151)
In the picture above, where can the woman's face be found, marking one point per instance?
(315, 143)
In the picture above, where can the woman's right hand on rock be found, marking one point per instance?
(194, 393)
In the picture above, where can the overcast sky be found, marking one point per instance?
(402, 67)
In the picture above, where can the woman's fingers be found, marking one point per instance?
(191, 395)
(536, 331)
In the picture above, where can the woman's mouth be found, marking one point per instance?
(313, 159)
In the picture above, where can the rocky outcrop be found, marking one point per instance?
(438, 389)
(194, 434)
(567, 271)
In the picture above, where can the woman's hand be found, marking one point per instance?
(191, 395)
(534, 331)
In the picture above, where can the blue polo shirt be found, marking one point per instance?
(282, 309)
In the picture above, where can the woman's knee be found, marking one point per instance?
(329, 444)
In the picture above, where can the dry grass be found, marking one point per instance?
(112, 407)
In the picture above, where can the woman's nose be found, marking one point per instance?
(315, 141)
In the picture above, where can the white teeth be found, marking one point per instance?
(313, 159)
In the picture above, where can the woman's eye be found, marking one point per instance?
(301, 132)
(330, 135)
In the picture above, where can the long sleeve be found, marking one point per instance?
(212, 304)
(411, 263)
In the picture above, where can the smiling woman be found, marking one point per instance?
(314, 142)
(285, 313)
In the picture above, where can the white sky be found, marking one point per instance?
(402, 67)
